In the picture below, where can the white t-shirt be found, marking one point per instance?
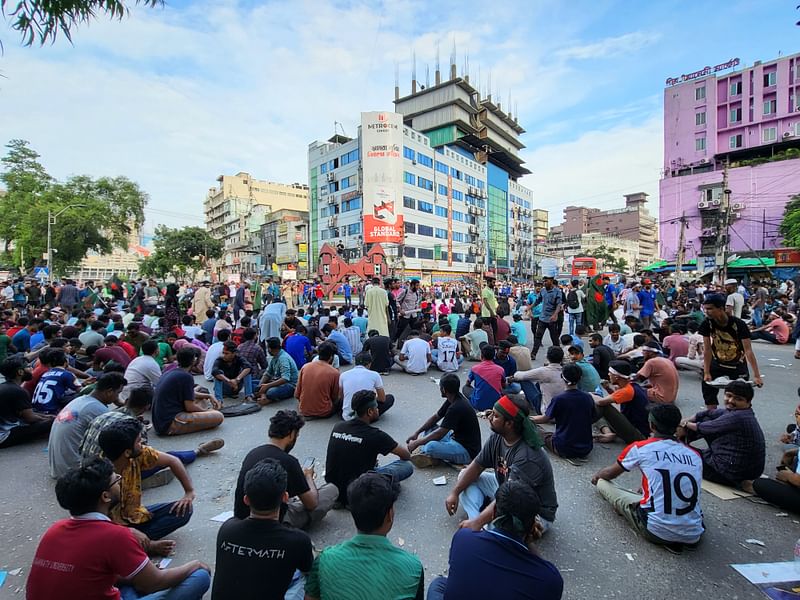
(416, 351)
(671, 477)
(356, 379)
(736, 300)
(447, 360)
(581, 297)
(193, 331)
(212, 354)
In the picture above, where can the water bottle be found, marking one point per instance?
(797, 550)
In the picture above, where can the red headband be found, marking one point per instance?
(508, 406)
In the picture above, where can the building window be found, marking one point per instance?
(409, 178)
(409, 252)
(333, 187)
(409, 202)
(770, 134)
(441, 211)
(700, 118)
(442, 168)
(736, 88)
(351, 156)
(700, 144)
(442, 189)
(425, 161)
(455, 173)
(458, 195)
(425, 207)
(354, 228)
(425, 184)
(352, 204)
(770, 106)
(441, 233)
(770, 78)
(426, 230)
(458, 257)
(458, 216)
(458, 236)
(425, 253)
(735, 141)
(410, 227)
(323, 168)
(700, 93)
(736, 115)
(408, 153)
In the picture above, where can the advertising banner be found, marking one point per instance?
(382, 166)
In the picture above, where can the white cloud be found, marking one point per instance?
(597, 168)
(610, 47)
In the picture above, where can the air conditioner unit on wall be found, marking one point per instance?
(331, 177)
(703, 204)
(737, 206)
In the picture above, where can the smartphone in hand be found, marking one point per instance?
(309, 463)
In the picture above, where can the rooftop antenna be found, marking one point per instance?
(480, 92)
(489, 86)
(466, 67)
(396, 80)
(427, 76)
(438, 75)
(453, 60)
(414, 72)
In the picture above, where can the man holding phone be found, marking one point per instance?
(307, 504)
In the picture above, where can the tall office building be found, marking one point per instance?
(435, 182)
(747, 120)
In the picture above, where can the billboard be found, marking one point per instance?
(382, 167)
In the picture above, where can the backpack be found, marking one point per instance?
(572, 299)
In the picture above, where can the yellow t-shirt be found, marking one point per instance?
(130, 511)
(488, 301)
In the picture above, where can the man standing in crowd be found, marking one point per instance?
(377, 302)
(338, 572)
(489, 303)
(408, 302)
(306, 504)
(550, 298)
(669, 512)
(734, 303)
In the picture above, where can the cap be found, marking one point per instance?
(731, 281)
(647, 281)
(651, 347)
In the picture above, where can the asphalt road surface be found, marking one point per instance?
(598, 554)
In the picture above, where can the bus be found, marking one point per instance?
(586, 266)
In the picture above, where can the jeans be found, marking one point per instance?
(575, 319)
(447, 449)
(552, 327)
(758, 315)
(163, 522)
(186, 457)
(296, 589)
(437, 588)
(782, 495)
(399, 469)
(478, 493)
(533, 394)
(281, 392)
(191, 588)
(514, 388)
(764, 335)
(223, 389)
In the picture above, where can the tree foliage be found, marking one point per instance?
(790, 225)
(103, 211)
(612, 261)
(42, 20)
(180, 253)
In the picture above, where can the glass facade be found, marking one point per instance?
(313, 220)
(498, 227)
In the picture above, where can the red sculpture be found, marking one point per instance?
(333, 269)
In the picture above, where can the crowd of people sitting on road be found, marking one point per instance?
(100, 376)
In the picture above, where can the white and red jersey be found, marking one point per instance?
(671, 476)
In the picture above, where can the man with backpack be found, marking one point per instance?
(408, 308)
(575, 309)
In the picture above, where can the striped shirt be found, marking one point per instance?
(353, 335)
(366, 566)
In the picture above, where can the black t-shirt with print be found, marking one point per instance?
(726, 340)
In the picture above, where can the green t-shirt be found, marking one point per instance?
(164, 352)
(5, 342)
(366, 566)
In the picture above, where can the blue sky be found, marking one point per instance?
(174, 97)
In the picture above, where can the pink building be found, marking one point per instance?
(747, 119)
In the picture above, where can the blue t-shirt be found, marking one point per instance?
(361, 323)
(208, 327)
(520, 332)
(648, 302)
(590, 378)
(51, 391)
(573, 412)
(22, 340)
(343, 348)
(37, 338)
(463, 327)
(296, 346)
(509, 365)
(492, 564)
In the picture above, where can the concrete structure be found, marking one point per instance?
(747, 119)
(235, 211)
(584, 244)
(633, 222)
(462, 209)
(120, 262)
(284, 242)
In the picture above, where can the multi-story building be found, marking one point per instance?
(586, 244)
(434, 182)
(120, 262)
(235, 211)
(284, 242)
(633, 223)
(744, 125)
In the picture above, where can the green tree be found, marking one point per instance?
(180, 252)
(790, 225)
(42, 20)
(612, 261)
(104, 211)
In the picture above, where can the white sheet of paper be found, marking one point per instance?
(769, 572)
(222, 517)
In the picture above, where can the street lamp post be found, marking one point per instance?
(51, 220)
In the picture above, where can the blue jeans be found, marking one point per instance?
(533, 394)
(223, 389)
(478, 493)
(399, 469)
(514, 388)
(163, 522)
(435, 358)
(186, 457)
(575, 319)
(447, 449)
(758, 316)
(437, 588)
(191, 588)
(281, 392)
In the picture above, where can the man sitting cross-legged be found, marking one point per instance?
(307, 504)
(88, 556)
(232, 374)
(496, 562)
(415, 356)
(339, 571)
(669, 513)
(121, 443)
(457, 440)
(514, 452)
(630, 423)
(259, 557)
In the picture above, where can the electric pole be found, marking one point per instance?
(723, 229)
(681, 251)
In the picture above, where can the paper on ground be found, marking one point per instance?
(222, 517)
(769, 572)
(723, 492)
(440, 480)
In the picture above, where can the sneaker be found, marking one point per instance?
(424, 461)
(162, 477)
(210, 446)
